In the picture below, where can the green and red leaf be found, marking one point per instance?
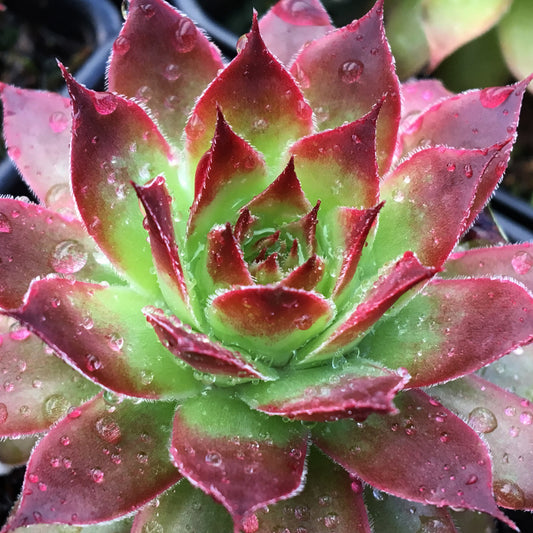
(244, 459)
(361, 74)
(102, 332)
(444, 460)
(168, 75)
(97, 464)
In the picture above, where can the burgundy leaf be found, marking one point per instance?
(41, 153)
(166, 73)
(267, 271)
(197, 349)
(509, 261)
(157, 205)
(233, 173)
(426, 454)
(452, 328)
(96, 465)
(338, 166)
(353, 389)
(269, 112)
(504, 421)
(270, 320)
(283, 200)
(225, 262)
(289, 25)
(242, 458)
(305, 229)
(104, 164)
(36, 241)
(102, 332)
(307, 275)
(402, 276)
(38, 388)
(346, 72)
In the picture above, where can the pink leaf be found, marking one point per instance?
(166, 73)
(338, 167)
(415, 191)
(95, 465)
(104, 163)
(38, 388)
(419, 95)
(197, 349)
(41, 153)
(157, 205)
(102, 332)
(36, 241)
(452, 328)
(426, 454)
(504, 421)
(355, 389)
(270, 320)
(242, 458)
(509, 261)
(362, 73)
(289, 25)
(270, 110)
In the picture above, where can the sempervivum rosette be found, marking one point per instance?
(259, 261)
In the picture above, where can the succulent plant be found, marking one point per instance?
(242, 303)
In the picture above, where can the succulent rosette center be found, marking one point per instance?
(258, 260)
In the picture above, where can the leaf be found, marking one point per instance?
(287, 27)
(198, 350)
(450, 25)
(426, 455)
(345, 89)
(183, 509)
(269, 112)
(452, 328)
(344, 389)
(167, 73)
(40, 153)
(331, 500)
(38, 388)
(242, 458)
(338, 166)
(504, 421)
(419, 95)
(102, 332)
(36, 241)
(514, 32)
(513, 261)
(270, 321)
(104, 164)
(98, 464)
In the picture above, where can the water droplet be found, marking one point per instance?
(108, 430)
(510, 411)
(121, 45)
(14, 152)
(195, 127)
(471, 479)
(5, 224)
(92, 363)
(331, 520)
(521, 262)
(55, 406)
(172, 72)
(482, 420)
(142, 457)
(494, 96)
(58, 122)
(213, 459)
(64, 440)
(105, 103)
(3, 413)
(351, 71)
(115, 342)
(526, 418)
(303, 322)
(450, 167)
(148, 10)
(69, 257)
(509, 494)
(125, 8)
(97, 475)
(259, 125)
(185, 36)
(242, 41)
(468, 170)
(144, 94)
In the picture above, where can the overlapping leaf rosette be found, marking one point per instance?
(237, 319)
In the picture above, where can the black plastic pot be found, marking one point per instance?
(97, 22)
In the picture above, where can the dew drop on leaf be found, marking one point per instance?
(55, 406)
(213, 459)
(92, 363)
(105, 103)
(351, 71)
(97, 475)
(521, 262)
(3, 413)
(58, 121)
(69, 257)
(509, 494)
(148, 10)
(482, 420)
(121, 45)
(124, 8)
(108, 430)
(5, 224)
(185, 36)
(172, 72)
(492, 97)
